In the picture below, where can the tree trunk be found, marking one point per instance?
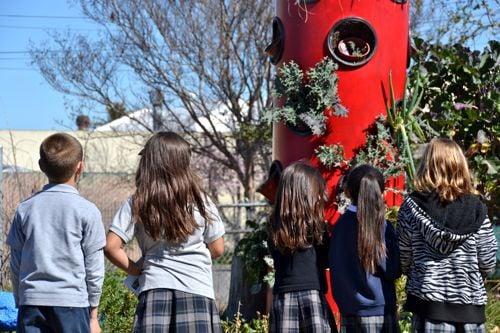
(245, 298)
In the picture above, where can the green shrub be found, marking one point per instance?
(404, 317)
(239, 325)
(461, 100)
(117, 306)
(253, 249)
(493, 308)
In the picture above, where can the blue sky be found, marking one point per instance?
(26, 100)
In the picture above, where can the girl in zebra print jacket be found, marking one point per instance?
(446, 243)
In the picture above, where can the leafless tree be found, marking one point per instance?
(205, 56)
(455, 21)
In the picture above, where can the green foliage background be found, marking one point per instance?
(117, 306)
(461, 100)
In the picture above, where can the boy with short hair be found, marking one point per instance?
(57, 240)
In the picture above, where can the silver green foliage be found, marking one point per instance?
(380, 150)
(331, 156)
(306, 96)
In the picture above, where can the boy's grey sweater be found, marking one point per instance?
(57, 240)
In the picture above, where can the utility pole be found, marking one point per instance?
(156, 99)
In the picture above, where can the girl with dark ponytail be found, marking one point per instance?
(364, 257)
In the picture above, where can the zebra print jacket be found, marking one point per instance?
(446, 251)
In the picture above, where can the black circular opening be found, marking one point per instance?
(275, 49)
(352, 42)
(300, 128)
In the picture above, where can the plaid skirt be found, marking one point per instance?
(301, 311)
(372, 324)
(419, 325)
(167, 310)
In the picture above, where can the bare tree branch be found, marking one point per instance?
(205, 56)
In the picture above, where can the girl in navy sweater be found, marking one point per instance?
(364, 257)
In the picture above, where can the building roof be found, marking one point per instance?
(107, 152)
(142, 121)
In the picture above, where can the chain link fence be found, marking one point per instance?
(108, 191)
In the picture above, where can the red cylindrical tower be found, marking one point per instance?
(304, 31)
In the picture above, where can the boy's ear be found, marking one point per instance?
(79, 168)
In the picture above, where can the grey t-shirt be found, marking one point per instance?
(186, 267)
(56, 242)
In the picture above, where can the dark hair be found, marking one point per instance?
(297, 221)
(365, 187)
(59, 157)
(167, 189)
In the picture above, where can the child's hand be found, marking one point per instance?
(94, 322)
(94, 326)
(134, 269)
(116, 254)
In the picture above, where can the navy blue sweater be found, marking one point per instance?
(357, 292)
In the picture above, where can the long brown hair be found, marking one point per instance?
(365, 185)
(297, 221)
(444, 170)
(167, 189)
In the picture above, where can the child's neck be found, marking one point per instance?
(70, 182)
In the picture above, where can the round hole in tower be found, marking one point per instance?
(275, 49)
(300, 128)
(352, 42)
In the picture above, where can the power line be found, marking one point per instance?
(28, 52)
(45, 16)
(17, 69)
(45, 28)
(123, 70)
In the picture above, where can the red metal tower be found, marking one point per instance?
(304, 31)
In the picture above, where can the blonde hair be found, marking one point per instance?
(444, 170)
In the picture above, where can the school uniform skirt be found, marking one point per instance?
(372, 324)
(301, 311)
(423, 325)
(168, 310)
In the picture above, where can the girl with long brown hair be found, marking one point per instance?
(364, 257)
(179, 231)
(447, 244)
(299, 251)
